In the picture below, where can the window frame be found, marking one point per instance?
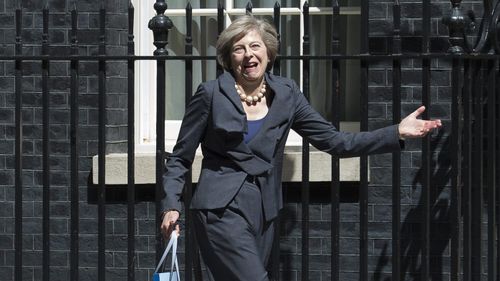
(145, 100)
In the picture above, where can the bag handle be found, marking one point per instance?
(172, 244)
(174, 259)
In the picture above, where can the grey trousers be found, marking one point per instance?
(236, 242)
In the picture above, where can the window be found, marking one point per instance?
(204, 36)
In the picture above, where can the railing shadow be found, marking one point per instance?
(411, 228)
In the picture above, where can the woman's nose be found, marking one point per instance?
(248, 52)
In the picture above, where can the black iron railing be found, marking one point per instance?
(473, 150)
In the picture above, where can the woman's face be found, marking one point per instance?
(249, 58)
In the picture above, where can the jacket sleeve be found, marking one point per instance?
(179, 162)
(324, 136)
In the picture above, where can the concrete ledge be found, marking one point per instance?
(319, 164)
(320, 167)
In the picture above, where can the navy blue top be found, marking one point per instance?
(253, 128)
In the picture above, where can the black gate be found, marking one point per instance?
(470, 150)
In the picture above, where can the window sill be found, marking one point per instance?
(320, 167)
(320, 164)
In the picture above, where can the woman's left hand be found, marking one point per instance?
(411, 127)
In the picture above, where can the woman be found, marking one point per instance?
(242, 121)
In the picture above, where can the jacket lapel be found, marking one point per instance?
(228, 113)
(229, 116)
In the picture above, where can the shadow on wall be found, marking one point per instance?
(288, 224)
(411, 228)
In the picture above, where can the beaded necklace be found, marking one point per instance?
(249, 98)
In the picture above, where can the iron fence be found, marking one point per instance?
(473, 154)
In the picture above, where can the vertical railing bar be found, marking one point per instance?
(426, 28)
(496, 144)
(396, 156)
(275, 254)
(248, 8)
(45, 149)
(426, 162)
(305, 155)
(426, 154)
(477, 177)
(160, 143)
(277, 21)
(220, 28)
(74, 139)
(456, 182)
(131, 148)
(189, 185)
(101, 208)
(490, 172)
(160, 25)
(467, 176)
(335, 168)
(18, 211)
(363, 192)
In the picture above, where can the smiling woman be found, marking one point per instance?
(239, 194)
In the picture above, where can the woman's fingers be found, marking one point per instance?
(432, 124)
(418, 112)
(428, 125)
(178, 229)
(411, 127)
(169, 223)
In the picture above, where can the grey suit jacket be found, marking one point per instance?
(216, 119)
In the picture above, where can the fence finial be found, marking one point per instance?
(45, 27)
(456, 27)
(74, 27)
(131, 11)
(160, 24)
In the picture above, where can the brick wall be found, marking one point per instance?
(59, 38)
(380, 111)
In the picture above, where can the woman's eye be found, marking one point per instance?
(238, 50)
(255, 46)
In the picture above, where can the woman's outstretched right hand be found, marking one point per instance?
(169, 223)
